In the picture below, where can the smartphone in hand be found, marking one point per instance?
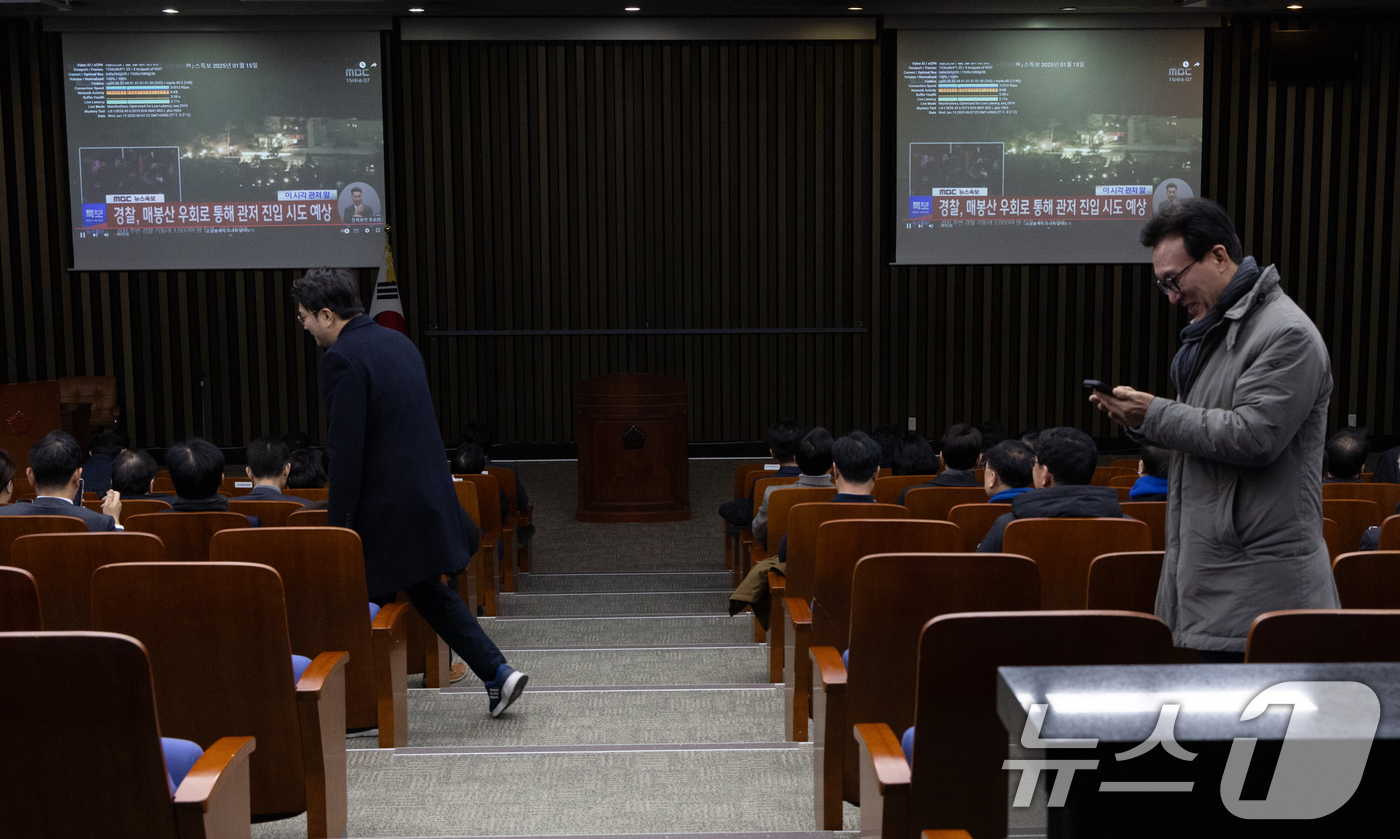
(1101, 387)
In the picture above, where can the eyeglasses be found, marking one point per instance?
(1170, 284)
(303, 316)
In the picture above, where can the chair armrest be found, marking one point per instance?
(213, 801)
(798, 611)
(884, 782)
(321, 712)
(829, 667)
(390, 643)
(321, 673)
(777, 583)
(887, 763)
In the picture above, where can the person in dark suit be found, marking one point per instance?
(783, 439)
(913, 456)
(55, 466)
(269, 464)
(197, 470)
(388, 478)
(1345, 456)
(134, 476)
(962, 447)
(103, 446)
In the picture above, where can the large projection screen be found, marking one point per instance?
(1042, 146)
(225, 150)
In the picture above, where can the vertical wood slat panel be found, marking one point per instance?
(709, 185)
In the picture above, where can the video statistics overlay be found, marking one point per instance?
(225, 150)
(1042, 146)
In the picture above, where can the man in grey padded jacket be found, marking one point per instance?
(1244, 504)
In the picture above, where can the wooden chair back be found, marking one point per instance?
(1123, 481)
(892, 597)
(1126, 582)
(888, 490)
(505, 478)
(1324, 636)
(19, 601)
(13, 527)
(1064, 548)
(186, 535)
(308, 518)
(1368, 579)
(89, 744)
(270, 513)
(1332, 535)
(134, 507)
(804, 521)
(1126, 463)
(842, 543)
(221, 659)
(741, 477)
(488, 494)
(1353, 516)
(884, 472)
(1124, 494)
(957, 776)
(1390, 534)
(1386, 495)
(780, 506)
(163, 484)
(936, 502)
(236, 487)
(310, 493)
(467, 496)
(974, 520)
(1154, 515)
(63, 563)
(323, 579)
(762, 481)
(1104, 474)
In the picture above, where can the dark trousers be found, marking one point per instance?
(450, 618)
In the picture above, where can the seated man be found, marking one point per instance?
(308, 469)
(1152, 469)
(480, 433)
(104, 445)
(783, 438)
(197, 470)
(470, 459)
(55, 466)
(134, 476)
(888, 437)
(813, 463)
(1007, 471)
(913, 456)
(1065, 459)
(962, 447)
(269, 464)
(1345, 456)
(855, 463)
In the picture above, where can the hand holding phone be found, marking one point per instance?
(1101, 387)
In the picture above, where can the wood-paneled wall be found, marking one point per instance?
(691, 186)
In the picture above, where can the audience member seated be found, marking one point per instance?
(1151, 484)
(993, 432)
(308, 469)
(104, 445)
(55, 467)
(914, 456)
(962, 447)
(269, 464)
(888, 437)
(1007, 471)
(470, 459)
(1388, 467)
(814, 465)
(783, 437)
(1345, 456)
(134, 476)
(197, 470)
(480, 433)
(1065, 459)
(855, 461)
(7, 477)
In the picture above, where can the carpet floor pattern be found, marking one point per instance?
(648, 709)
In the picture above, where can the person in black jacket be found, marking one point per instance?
(54, 471)
(962, 448)
(1064, 465)
(269, 465)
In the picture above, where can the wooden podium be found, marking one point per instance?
(27, 412)
(633, 449)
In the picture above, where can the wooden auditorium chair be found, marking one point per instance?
(516, 553)
(323, 577)
(1104, 474)
(956, 777)
(1368, 579)
(1386, 495)
(1154, 515)
(88, 749)
(186, 535)
(1353, 516)
(13, 527)
(1125, 581)
(308, 518)
(779, 505)
(221, 658)
(19, 601)
(134, 507)
(936, 502)
(1332, 535)
(488, 588)
(892, 597)
(1063, 548)
(270, 513)
(309, 493)
(488, 493)
(974, 520)
(62, 565)
(888, 490)
(1126, 463)
(744, 542)
(741, 484)
(1324, 636)
(1123, 481)
(1390, 534)
(824, 618)
(798, 581)
(236, 487)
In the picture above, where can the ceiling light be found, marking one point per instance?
(416, 10)
(1295, 7)
(1070, 9)
(633, 9)
(854, 8)
(171, 11)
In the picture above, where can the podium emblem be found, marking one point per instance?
(19, 423)
(633, 438)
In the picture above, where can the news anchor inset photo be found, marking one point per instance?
(359, 203)
(1170, 191)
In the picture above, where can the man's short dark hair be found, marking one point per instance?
(329, 288)
(1388, 469)
(267, 456)
(7, 469)
(132, 472)
(857, 455)
(783, 437)
(814, 452)
(355, 189)
(296, 439)
(107, 440)
(1013, 461)
(1069, 454)
(1200, 222)
(196, 468)
(1346, 453)
(914, 456)
(54, 459)
(993, 432)
(469, 459)
(1156, 461)
(887, 436)
(961, 445)
(308, 470)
